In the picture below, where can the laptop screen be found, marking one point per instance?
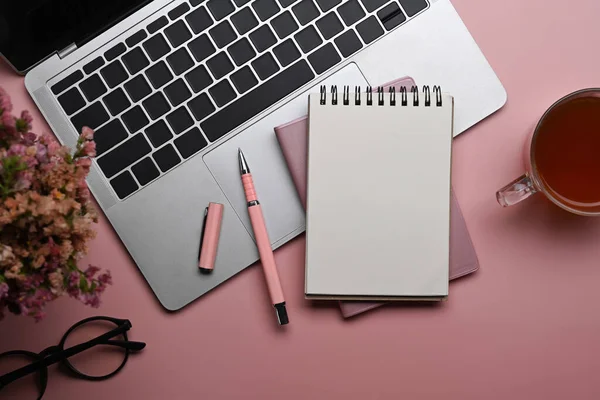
(31, 30)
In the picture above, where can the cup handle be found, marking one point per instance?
(516, 191)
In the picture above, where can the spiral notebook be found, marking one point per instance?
(293, 139)
(378, 206)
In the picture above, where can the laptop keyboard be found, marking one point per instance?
(192, 76)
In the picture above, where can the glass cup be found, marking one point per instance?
(532, 181)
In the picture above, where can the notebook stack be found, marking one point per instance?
(378, 198)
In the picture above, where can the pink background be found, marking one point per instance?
(525, 326)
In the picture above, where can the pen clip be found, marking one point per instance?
(203, 231)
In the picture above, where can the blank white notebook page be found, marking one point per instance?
(378, 202)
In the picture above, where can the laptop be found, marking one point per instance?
(173, 88)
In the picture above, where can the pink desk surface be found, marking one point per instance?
(525, 326)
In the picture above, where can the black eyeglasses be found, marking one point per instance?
(108, 336)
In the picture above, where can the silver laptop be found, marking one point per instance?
(173, 88)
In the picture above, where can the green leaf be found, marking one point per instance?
(83, 284)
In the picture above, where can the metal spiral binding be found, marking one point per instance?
(427, 100)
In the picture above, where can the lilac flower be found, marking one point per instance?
(5, 103)
(91, 271)
(46, 218)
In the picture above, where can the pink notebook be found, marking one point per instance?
(293, 137)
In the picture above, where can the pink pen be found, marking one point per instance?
(263, 243)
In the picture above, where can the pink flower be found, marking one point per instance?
(89, 149)
(46, 218)
(90, 299)
(53, 148)
(105, 278)
(91, 271)
(23, 124)
(87, 133)
(17, 149)
(5, 103)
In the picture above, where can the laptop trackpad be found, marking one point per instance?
(282, 208)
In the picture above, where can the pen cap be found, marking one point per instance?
(210, 237)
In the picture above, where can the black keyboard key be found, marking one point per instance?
(244, 80)
(241, 51)
(327, 5)
(201, 48)
(220, 65)
(178, 34)
(180, 61)
(67, 82)
(201, 106)
(194, 3)
(220, 8)
(240, 3)
(179, 11)
(265, 66)
(198, 78)
(308, 39)
(305, 11)
(71, 101)
(190, 143)
(286, 52)
(330, 25)
(223, 34)
(166, 158)
(413, 7)
(372, 5)
(93, 65)
(265, 9)
(199, 20)
(145, 171)
(93, 87)
(348, 43)
(177, 92)
(135, 119)
(222, 93)
(369, 29)
(324, 58)
(284, 25)
(244, 20)
(136, 38)
(135, 61)
(156, 105)
(158, 133)
(137, 88)
(157, 25)
(109, 136)
(124, 155)
(263, 38)
(156, 47)
(124, 185)
(116, 102)
(351, 12)
(391, 16)
(257, 100)
(285, 3)
(159, 74)
(114, 74)
(93, 116)
(180, 120)
(115, 52)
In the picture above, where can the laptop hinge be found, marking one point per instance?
(67, 50)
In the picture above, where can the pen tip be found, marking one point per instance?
(242, 161)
